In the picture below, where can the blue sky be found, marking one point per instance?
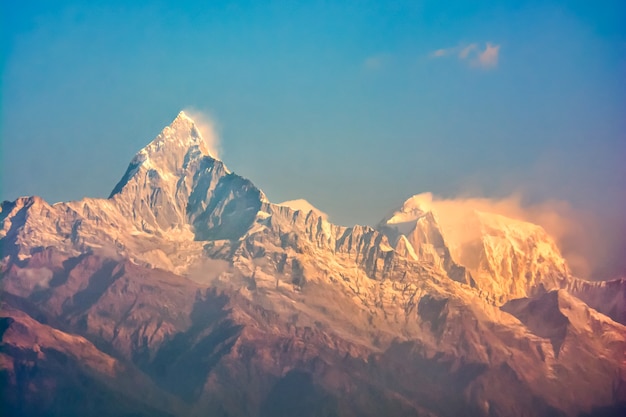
(354, 106)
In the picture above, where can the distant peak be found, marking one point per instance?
(419, 202)
(183, 118)
(412, 209)
(170, 152)
(179, 136)
(304, 206)
(184, 125)
(182, 114)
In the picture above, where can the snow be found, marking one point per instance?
(385, 247)
(304, 206)
(183, 116)
(412, 209)
(409, 248)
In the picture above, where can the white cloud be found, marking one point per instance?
(482, 57)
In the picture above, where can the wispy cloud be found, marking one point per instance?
(466, 51)
(375, 62)
(208, 130)
(442, 52)
(474, 54)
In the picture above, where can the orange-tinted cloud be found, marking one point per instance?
(473, 54)
(585, 241)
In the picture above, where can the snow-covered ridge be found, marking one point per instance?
(182, 132)
(412, 209)
(304, 206)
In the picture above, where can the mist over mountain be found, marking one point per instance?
(187, 292)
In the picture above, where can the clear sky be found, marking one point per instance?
(354, 106)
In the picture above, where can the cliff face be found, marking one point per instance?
(188, 285)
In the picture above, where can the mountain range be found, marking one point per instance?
(187, 292)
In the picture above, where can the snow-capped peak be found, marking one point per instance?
(412, 209)
(178, 146)
(179, 137)
(182, 116)
(304, 206)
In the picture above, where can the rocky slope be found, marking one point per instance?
(208, 298)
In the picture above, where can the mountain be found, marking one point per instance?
(304, 206)
(187, 292)
(506, 258)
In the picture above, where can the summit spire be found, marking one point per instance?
(170, 152)
(179, 137)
